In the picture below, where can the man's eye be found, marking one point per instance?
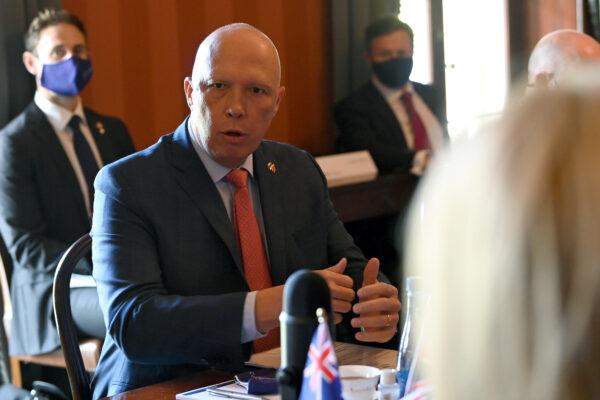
(80, 52)
(60, 52)
(217, 85)
(258, 90)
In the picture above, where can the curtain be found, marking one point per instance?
(16, 85)
(349, 20)
(593, 18)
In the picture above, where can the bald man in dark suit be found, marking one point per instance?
(176, 277)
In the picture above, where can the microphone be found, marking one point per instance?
(303, 294)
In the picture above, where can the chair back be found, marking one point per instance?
(79, 380)
(5, 311)
(5, 276)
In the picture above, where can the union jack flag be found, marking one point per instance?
(420, 390)
(321, 376)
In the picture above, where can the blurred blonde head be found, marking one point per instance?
(506, 231)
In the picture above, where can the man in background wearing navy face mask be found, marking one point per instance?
(49, 156)
(396, 120)
(392, 117)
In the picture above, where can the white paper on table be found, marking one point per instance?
(202, 393)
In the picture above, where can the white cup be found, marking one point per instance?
(359, 382)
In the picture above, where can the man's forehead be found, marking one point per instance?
(242, 70)
(60, 33)
(396, 39)
(242, 51)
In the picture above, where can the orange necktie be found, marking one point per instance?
(418, 129)
(254, 256)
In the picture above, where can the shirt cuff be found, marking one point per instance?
(249, 331)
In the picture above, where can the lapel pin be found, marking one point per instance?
(271, 167)
(100, 127)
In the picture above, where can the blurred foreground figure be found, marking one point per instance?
(506, 235)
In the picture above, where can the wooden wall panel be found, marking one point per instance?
(529, 21)
(545, 16)
(143, 49)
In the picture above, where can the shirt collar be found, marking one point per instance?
(216, 171)
(391, 93)
(58, 116)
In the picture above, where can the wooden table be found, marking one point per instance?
(346, 354)
(167, 390)
(386, 195)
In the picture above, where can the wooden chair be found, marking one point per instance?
(5, 314)
(91, 348)
(79, 379)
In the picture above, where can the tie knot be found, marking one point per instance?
(74, 122)
(406, 97)
(238, 177)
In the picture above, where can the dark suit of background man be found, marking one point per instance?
(174, 271)
(47, 166)
(378, 118)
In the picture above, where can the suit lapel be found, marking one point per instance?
(197, 183)
(380, 107)
(50, 145)
(269, 186)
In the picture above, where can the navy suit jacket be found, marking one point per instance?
(365, 121)
(167, 263)
(42, 212)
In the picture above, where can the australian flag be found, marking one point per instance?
(321, 376)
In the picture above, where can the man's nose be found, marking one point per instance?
(236, 105)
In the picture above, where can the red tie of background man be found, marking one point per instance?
(418, 129)
(254, 256)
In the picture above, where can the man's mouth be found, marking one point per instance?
(234, 133)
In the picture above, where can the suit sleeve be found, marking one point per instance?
(22, 224)
(149, 324)
(358, 131)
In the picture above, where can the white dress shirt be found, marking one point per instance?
(59, 117)
(217, 173)
(432, 126)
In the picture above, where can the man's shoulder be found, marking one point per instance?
(107, 119)
(422, 88)
(283, 151)
(146, 160)
(20, 124)
(362, 96)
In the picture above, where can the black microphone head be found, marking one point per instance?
(304, 293)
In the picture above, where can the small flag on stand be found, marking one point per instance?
(321, 376)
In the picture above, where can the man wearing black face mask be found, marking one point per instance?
(49, 155)
(393, 118)
(396, 120)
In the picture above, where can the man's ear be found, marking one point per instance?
(188, 89)
(31, 63)
(280, 95)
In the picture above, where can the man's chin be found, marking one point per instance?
(234, 160)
